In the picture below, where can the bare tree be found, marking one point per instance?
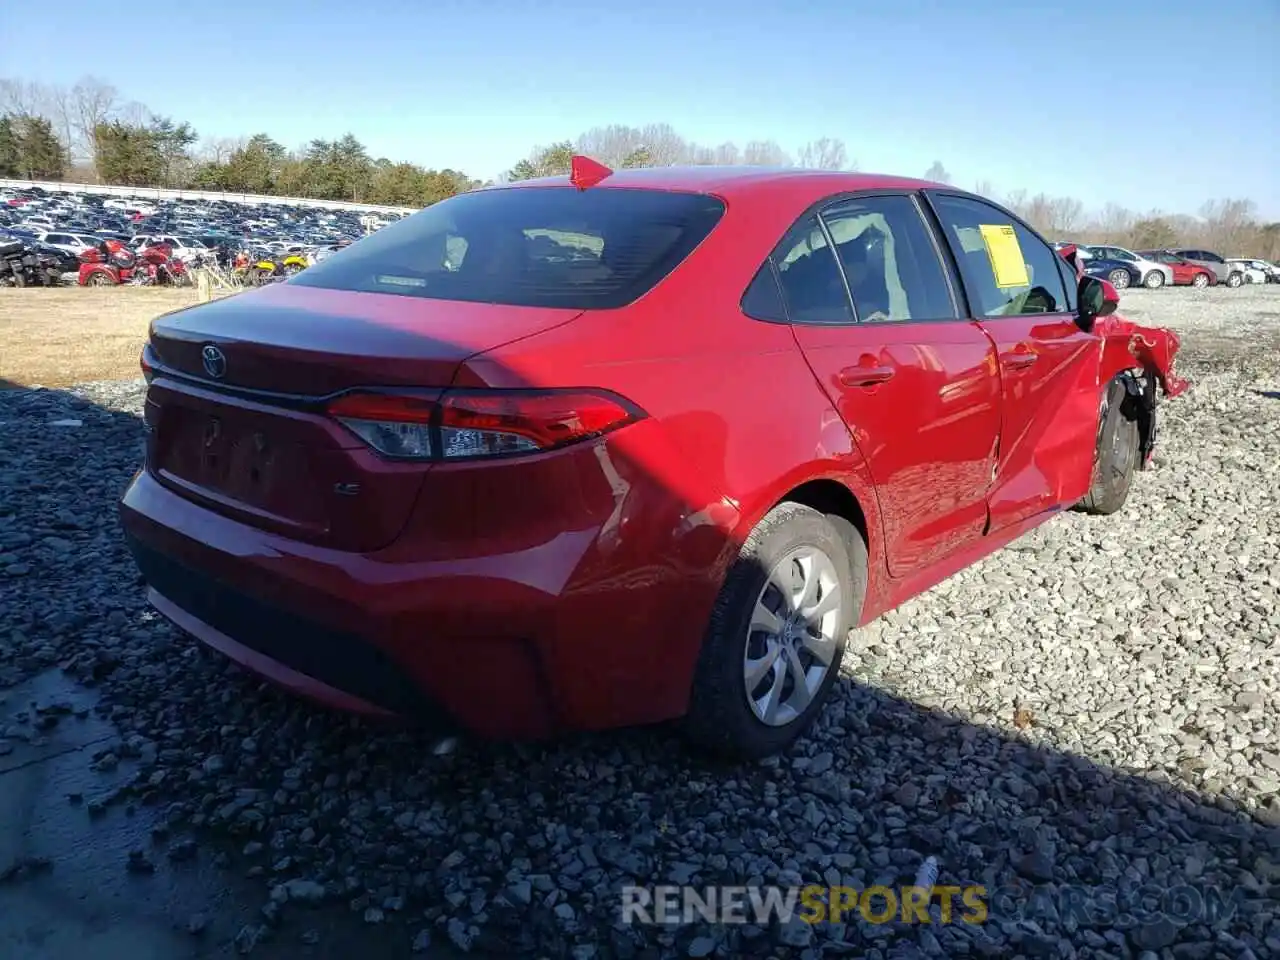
(1018, 202)
(61, 113)
(937, 173)
(219, 149)
(612, 144)
(984, 188)
(1065, 215)
(1186, 229)
(728, 154)
(824, 153)
(666, 147)
(23, 98)
(1229, 225)
(765, 153)
(92, 102)
(1112, 224)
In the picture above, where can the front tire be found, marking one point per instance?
(1235, 279)
(1116, 457)
(1200, 281)
(777, 633)
(1119, 278)
(1153, 280)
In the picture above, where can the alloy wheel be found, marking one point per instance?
(791, 641)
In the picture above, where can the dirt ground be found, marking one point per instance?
(60, 336)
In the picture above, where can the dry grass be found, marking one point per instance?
(65, 335)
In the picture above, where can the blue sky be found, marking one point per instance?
(1152, 105)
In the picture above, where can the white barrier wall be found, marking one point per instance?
(156, 193)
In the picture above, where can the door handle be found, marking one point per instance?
(1021, 356)
(867, 376)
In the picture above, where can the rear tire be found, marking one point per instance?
(1119, 278)
(765, 671)
(1153, 280)
(1116, 457)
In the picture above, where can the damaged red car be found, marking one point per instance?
(618, 448)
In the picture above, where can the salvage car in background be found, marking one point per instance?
(1222, 271)
(1149, 273)
(1254, 271)
(609, 449)
(1185, 272)
(1119, 273)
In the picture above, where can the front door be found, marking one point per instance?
(1019, 290)
(914, 382)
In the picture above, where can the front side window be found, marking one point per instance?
(529, 246)
(891, 265)
(1008, 270)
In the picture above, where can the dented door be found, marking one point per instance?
(1048, 366)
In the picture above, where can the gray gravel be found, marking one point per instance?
(1091, 713)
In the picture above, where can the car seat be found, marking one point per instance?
(864, 268)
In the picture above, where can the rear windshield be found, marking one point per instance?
(534, 246)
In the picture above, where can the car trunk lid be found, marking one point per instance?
(243, 431)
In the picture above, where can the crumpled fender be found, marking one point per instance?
(1126, 345)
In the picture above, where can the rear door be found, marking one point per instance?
(1019, 290)
(914, 382)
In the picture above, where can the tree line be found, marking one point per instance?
(89, 133)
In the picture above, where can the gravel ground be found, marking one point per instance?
(1089, 713)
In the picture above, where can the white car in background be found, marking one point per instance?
(129, 206)
(1153, 275)
(1256, 271)
(72, 243)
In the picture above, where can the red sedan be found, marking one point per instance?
(624, 447)
(1185, 272)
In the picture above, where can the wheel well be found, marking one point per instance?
(832, 497)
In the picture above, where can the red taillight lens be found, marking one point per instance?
(396, 425)
(470, 424)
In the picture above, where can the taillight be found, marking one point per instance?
(479, 423)
(148, 371)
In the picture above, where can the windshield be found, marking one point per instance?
(534, 246)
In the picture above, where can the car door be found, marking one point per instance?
(1021, 293)
(1187, 269)
(915, 384)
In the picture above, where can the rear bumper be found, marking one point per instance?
(346, 629)
(299, 654)
(550, 637)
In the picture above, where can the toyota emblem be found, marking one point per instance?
(215, 362)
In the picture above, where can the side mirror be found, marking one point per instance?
(1097, 298)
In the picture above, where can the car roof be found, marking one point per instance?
(730, 182)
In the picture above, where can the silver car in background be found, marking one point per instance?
(1153, 275)
(1225, 273)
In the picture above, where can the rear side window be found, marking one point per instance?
(763, 299)
(889, 262)
(531, 246)
(811, 281)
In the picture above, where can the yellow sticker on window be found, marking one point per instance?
(1005, 255)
